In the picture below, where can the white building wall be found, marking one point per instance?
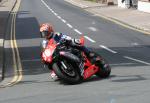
(144, 6)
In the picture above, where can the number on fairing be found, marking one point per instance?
(48, 52)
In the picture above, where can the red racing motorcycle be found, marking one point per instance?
(72, 65)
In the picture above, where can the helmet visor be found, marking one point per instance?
(44, 34)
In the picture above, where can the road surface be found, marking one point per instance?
(126, 50)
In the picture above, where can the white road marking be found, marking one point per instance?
(88, 38)
(50, 9)
(47, 6)
(104, 47)
(63, 20)
(70, 26)
(55, 14)
(1, 42)
(122, 64)
(140, 61)
(135, 44)
(53, 11)
(92, 28)
(59, 17)
(17, 66)
(77, 31)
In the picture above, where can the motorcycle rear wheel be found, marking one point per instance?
(105, 69)
(72, 78)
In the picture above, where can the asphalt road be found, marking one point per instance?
(126, 50)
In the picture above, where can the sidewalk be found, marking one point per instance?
(130, 18)
(5, 9)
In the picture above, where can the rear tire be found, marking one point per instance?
(72, 78)
(105, 69)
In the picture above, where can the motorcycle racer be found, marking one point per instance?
(47, 32)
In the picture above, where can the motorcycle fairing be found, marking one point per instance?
(48, 51)
(90, 71)
(91, 68)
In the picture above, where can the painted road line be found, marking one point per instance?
(55, 14)
(137, 60)
(19, 66)
(91, 40)
(135, 44)
(59, 17)
(63, 20)
(1, 42)
(16, 58)
(121, 23)
(92, 29)
(122, 64)
(106, 48)
(15, 47)
(15, 77)
(70, 26)
(53, 11)
(76, 30)
(47, 6)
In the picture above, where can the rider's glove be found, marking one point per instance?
(76, 42)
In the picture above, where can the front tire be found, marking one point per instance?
(69, 75)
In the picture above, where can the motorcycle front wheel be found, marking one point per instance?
(67, 71)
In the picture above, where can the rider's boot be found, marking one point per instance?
(53, 75)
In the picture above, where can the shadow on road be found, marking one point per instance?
(3, 24)
(129, 78)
